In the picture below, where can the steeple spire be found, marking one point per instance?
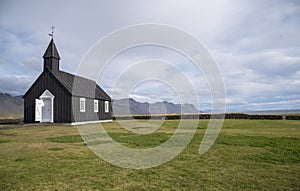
(51, 57)
(51, 51)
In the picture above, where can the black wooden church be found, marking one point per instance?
(60, 97)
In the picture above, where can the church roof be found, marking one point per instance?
(79, 86)
(76, 85)
(51, 51)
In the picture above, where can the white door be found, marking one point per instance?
(38, 109)
(46, 110)
(47, 106)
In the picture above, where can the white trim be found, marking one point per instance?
(96, 103)
(82, 106)
(106, 106)
(48, 95)
(89, 122)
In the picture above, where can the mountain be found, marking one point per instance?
(129, 106)
(11, 107)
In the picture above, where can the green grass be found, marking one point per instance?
(140, 141)
(56, 149)
(282, 150)
(248, 155)
(66, 139)
(4, 140)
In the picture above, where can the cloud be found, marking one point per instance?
(34, 63)
(16, 84)
(256, 44)
(175, 75)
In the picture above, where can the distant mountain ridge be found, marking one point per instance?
(11, 107)
(129, 106)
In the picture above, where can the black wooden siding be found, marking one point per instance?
(101, 113)
(63, 112)
(89, 114)
(62, 99)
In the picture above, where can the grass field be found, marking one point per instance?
(248, 155)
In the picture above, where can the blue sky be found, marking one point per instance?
(255, 43)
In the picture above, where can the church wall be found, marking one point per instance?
(62, 99)
(89, 114)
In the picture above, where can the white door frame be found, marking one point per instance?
(49, 96)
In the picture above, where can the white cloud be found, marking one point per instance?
(16, 84)
(34, 63)
(256, 44)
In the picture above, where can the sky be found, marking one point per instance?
(255, 43)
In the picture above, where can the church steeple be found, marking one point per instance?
(51, 57)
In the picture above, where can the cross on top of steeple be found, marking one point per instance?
(51, 56)
(52, 31)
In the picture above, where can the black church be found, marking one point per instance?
(60, 97)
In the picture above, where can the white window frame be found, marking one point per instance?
(96, 106)
(106, 106)
(82, 104)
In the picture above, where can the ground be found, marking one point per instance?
(248, 155)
